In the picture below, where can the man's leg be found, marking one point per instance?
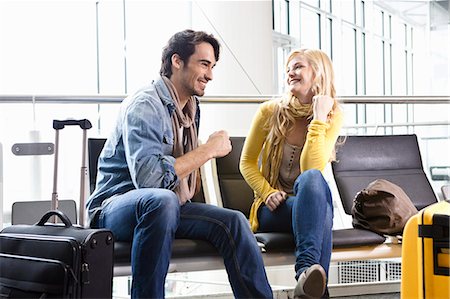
(149, 218)
(230, 233)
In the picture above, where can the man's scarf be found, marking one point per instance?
(185, 119)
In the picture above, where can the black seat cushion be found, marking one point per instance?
(180, 248)
(354, 237)
(342, 238)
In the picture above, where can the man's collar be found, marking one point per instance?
(163, 92)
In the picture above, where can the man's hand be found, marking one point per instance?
(322, 106)
(219, 144)
(275, 199)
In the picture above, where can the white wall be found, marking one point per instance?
(244, 29)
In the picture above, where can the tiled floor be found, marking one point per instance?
(374, 296)
(214, 284)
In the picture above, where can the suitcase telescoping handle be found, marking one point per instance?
(59, 125)
(58, 213)
(83, 123)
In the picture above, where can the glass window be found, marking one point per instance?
(349, 61)
(111, 48)
(378, 22)
(348, 10)
(328, 45)
(314, 3)
(281, 16)
(281, 70)
(48, 38)
(294, 19)
(310, 29)
(361, 14)
(375, 68)
(361, 73)
(376, 115)
(400, 115)
(399, 86)
(399, 33)
(410, 43)
(388, 117)
(388, 68)
(327, 5)
(387, 31)
(335, 6)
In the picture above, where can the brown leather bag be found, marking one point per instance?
(382, 207)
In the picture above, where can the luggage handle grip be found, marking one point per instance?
(51, 213)
(85, 124)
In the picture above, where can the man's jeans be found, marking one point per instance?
(151, 218)
(309, 215)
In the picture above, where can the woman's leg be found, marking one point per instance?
(279, 220)
(309, 215)
(312, 221)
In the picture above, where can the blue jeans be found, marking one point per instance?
(309, 215)
(151, 218)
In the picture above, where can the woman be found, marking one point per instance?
(295, 137)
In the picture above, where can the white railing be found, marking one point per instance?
(231, 99)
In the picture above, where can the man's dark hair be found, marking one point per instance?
(183, 43)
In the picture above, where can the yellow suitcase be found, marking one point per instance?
(425, 254)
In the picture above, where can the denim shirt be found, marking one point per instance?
(138, 153)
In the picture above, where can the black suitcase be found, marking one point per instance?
(56, 260)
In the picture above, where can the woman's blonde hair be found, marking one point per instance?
(289, 107)
(323, 84)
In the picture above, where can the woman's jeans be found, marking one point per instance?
(151, 218)
(309, 215)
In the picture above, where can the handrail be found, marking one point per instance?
(395, 125)
(232, 99)
(399, 124)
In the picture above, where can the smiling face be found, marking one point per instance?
(190, 77)
(300, 76)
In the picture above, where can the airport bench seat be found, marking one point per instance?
(186, 253)
(360, 160)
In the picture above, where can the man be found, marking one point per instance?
(148, 172)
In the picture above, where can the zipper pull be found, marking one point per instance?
(85, 273)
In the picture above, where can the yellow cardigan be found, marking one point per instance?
(316, 153)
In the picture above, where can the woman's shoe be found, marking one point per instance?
(311, 283)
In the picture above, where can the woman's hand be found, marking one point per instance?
(275, 199)
(322, 106)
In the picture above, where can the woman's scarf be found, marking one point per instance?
(185, 119)
(289, 109)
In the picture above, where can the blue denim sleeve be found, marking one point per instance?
(148, 140)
